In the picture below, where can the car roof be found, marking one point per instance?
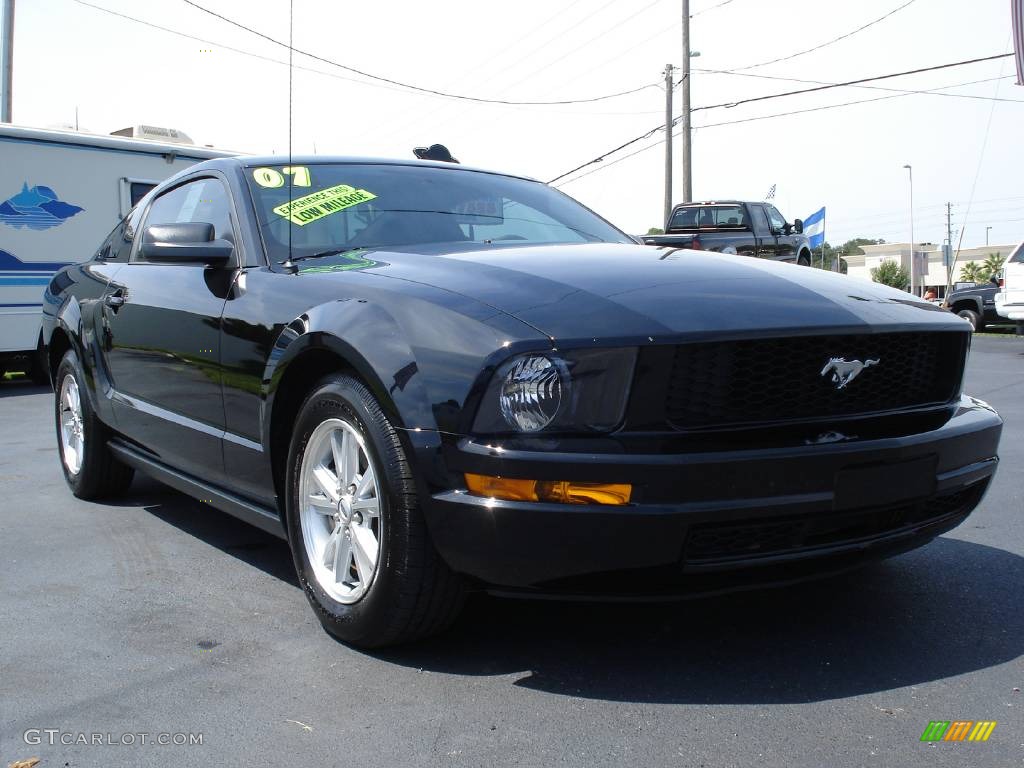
(253, 161)
(719, 202)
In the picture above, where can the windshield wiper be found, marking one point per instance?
(324, 254)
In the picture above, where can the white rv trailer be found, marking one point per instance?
(61, 193)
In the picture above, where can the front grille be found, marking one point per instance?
(712, 543)
(772, 381)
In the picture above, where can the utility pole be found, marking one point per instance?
(986, 236)
(685, 95)
(6, 60)
(668, 143)
(949, 239)
(913, 263)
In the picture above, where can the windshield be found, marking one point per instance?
(338, 206)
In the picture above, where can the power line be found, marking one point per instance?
(654, 130)
(974, 186)
(710, 8)
(866, 87)
(410, 86)
(828, 42)
(588, 42)
(240, 51)
(847, 83)
(736, 122)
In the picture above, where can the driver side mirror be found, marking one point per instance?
(798, 226)
(184, 243)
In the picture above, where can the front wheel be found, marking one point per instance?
(361, 548)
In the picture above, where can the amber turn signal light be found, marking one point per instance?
(559, 491)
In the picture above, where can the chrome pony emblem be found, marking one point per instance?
(844, 371)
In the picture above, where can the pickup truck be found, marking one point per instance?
(730, 226)
(976, 303)
(1010, 301)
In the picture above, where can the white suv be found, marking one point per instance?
(1010, 301)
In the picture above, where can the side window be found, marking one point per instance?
(125, 236)
(776, 218)
(1017, 257)
(107, 250)
(203, 200)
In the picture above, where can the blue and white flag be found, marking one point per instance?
(814, 228)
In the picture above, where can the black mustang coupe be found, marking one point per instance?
(430, 379)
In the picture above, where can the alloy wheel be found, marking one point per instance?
(339, 510)
(72, 427)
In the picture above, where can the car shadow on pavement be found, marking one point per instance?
(950, 608)
(19, 387)
(212, 526)
(946, 609)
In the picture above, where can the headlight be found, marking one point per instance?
(579, 390)
(531, 392)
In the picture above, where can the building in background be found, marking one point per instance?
(931, 270)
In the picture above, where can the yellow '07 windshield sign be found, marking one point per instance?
(303, 210)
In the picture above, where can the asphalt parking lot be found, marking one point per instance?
(158, 615)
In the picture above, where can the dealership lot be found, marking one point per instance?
(158, 615)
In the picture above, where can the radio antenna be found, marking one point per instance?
(289, 264)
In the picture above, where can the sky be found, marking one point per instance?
(117, 72)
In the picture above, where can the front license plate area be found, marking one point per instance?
(883, 484)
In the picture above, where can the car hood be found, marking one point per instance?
(603, 291)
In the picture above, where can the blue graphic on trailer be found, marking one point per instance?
(36, 208)
(15, 272)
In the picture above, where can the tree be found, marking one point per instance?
(992, 265)
(849, 248)
(655, 231)
(972, 272)
(891, 273)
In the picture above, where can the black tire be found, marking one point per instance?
(973, 318)
(804, 260)
(100, 474)
(413, 594)
(38, 373)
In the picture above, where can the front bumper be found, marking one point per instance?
(700, 519)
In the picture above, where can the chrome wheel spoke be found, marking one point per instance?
(338, 454)
(331, 548)
(365, 484)
(365, 549)
(342, 564)
(369, 507)
(328, 483)
(349, 466)
(322, 504)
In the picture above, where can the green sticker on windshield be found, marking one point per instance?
(303, 210)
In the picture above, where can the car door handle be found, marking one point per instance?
(114, 300)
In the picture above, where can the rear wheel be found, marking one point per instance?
(804, 260)
(37, 371)
(361, 548)
(90, 470)
(973, 318)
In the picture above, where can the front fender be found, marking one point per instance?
(420, 358)
(367, 338)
